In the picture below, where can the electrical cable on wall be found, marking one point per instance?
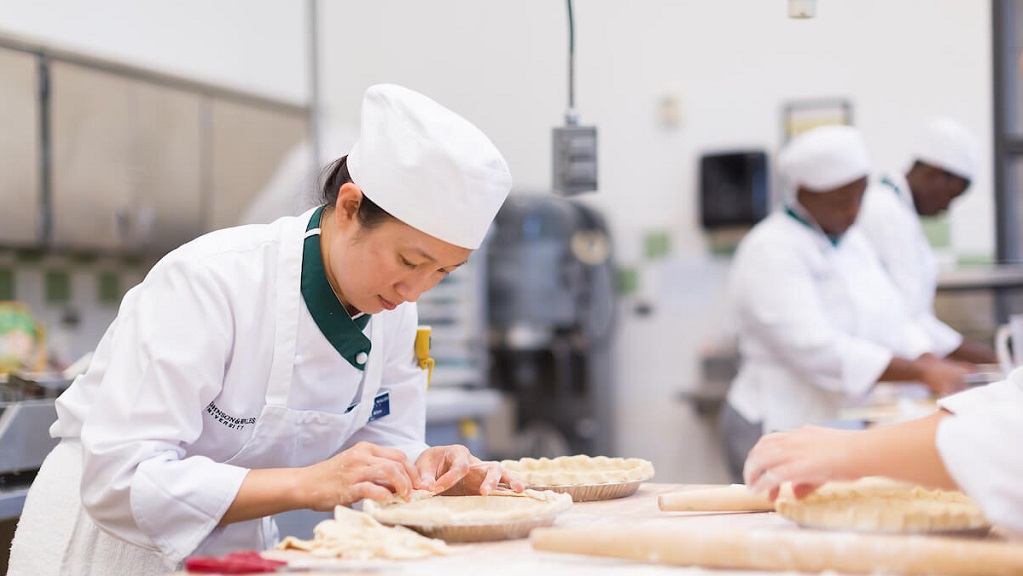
(571, 117)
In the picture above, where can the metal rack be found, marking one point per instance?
(456, 311)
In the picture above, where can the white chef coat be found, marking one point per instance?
(215, 365)
(980, 447)
(890, 222)
(818, 322)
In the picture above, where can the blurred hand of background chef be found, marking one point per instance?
(941, 375)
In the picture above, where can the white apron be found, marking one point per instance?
(54, 520)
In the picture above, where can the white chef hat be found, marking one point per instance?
(427, 166)
(823, 158)
(947, 144)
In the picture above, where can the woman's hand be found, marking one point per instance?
(454, 471)
(363, 471)
(806, 457)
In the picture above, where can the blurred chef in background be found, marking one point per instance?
(267, 368)
(944, 162)
(819, 321)
(966, 445)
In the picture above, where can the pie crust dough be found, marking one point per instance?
(579, 470)
(500, 506)
(357, 536)
(881, 504)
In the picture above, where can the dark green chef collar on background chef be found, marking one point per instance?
(833, 239)
(342, 331)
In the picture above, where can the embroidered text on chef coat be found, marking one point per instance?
(226, 419)
(342, 331)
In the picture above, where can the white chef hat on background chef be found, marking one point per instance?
(947, 144)
(822, 159)
(427, 166)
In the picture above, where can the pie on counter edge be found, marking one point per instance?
(883, 505)
(581, 476)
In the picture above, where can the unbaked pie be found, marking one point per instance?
(501, 515)
(579, 470)
(881, 504)
(585, 478)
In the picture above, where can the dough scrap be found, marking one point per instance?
(882, 504)
(357, 536)
(579, 470)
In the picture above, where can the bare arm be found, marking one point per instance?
(975, 353)
(942, 376)
(811, 456)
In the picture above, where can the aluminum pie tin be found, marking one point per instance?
(593, 492)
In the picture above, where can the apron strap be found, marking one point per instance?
(289, 300)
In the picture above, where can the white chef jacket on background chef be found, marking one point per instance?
(234, 353)
(980, 447)
(889, 219)
(818, 318)
(818, 323)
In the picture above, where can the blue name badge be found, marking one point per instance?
(381, 406)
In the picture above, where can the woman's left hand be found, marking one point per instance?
(454, 471)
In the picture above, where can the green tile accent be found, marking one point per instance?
(7, 284)
(628, 280)
(657, 245)
(30, 256)
(108, 287)
(132, 260)
(57, 286)
(937, 230)
(83, 258)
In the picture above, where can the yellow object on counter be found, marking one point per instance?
(422, 348)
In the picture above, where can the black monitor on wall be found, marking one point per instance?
(733, 188)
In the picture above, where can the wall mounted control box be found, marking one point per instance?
(574, 150)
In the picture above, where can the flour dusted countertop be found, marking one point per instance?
(638, 513)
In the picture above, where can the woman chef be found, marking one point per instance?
(819, 321)
(269, 368)
(966, 445)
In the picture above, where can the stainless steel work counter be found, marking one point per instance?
(986, 277)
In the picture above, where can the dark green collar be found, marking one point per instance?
(892, 185)
(342, 331)
(833, 239)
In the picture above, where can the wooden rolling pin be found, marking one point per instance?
(734, 498)
(804, 551)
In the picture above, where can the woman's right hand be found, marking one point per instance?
(363, 471)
